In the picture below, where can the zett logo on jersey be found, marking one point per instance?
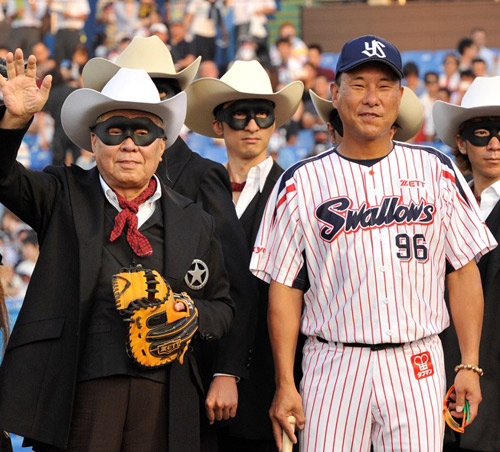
(412, 183)
(422, 365)
(337, 215)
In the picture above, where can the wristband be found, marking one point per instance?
(476, 369)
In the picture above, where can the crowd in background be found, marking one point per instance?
(220, 32)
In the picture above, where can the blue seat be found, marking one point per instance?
(40, 158)
(289, 155)
(424, 59)
(197, 142)
(329, 60)
(305, 139)
(216, 153)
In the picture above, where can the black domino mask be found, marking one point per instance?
(115, 130)
(490, 126)
(238, 114)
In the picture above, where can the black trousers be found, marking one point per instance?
(118, 414)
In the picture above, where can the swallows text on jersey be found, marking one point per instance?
(337, 215)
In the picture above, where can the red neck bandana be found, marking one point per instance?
(139, 244)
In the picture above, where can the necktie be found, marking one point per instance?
(238, 187)
(138, 242)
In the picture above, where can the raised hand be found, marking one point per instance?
(21, 95)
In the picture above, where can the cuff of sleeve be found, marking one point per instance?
(226, 375)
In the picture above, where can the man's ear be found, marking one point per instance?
(218, 127)
(334, 89)
(163, 143)
(93, 138)
(461, 144)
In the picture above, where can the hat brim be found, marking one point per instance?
(448, 118)
(98, 71)
(207, 93)
(409, 121)
(410, 117)
(82, 108)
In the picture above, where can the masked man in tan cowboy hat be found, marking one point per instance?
(472, 130)
(407, 125)
(242, 109)
(200, 179)
(66, 381)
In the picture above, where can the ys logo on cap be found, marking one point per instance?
(376, 49)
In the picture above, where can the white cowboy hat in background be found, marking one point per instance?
(409, 120)
(244, 80)
(129, 89)
(150, 54)
(480, 100)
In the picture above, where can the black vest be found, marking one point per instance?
(106, 335)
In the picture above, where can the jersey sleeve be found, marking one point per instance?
(278, 253)
(467, 236)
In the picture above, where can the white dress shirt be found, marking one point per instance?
(146, 209)
(489, 198)
(256, 180)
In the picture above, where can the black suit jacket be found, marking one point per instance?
(256, 394)
(65, 206)
(484, 433)
(207, 183)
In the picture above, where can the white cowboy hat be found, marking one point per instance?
(244, 80)
(481, 99)
(409, 120)
(150, 54)
(129, 89)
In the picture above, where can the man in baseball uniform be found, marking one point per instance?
(355, 243)
(472, 131)
(242, 109)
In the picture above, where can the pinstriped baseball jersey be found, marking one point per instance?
(368, 244)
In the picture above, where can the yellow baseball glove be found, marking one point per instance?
(157, 334)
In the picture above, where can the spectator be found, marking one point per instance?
(181, 50)
(159, 29)
(289, 68)
(30, 251)
(78, 60)
(450, 79)
(444, 94)
(208, 69)
(127, 17)
(63, 149)
(299, 48)
(44, 61)
(26, 16)
(466, 78)
(71, 17)
(86, 159)
(247, 49)
(203, 19)
(479, 67)
(430, 96)
(176, 10)
(5, 29)
(250, 19)
(480, 38)
(148, 14)
(411, 73)
(468, 51)
(314, 54)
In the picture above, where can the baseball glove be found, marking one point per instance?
(157, 333)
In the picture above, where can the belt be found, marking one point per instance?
(374, 347)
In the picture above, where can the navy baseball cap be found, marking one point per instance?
(366, 49)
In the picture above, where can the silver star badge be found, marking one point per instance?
(197, 276)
